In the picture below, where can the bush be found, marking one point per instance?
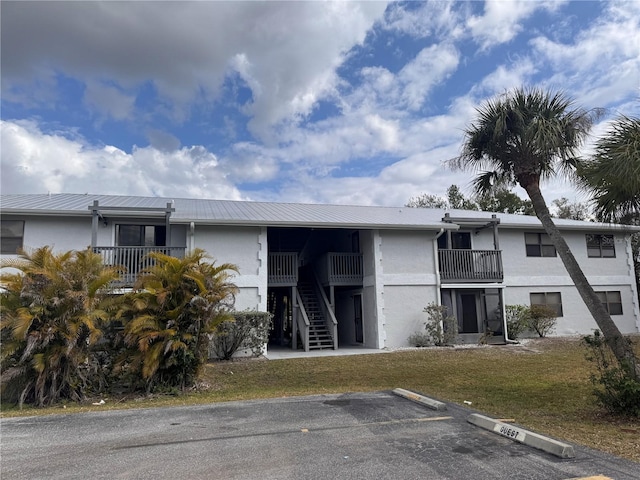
(248, 329)
(541, 319)
(517, 320)
(53, 313)
(619, 392)
(177, 303)
(442, 328)
(420, 339)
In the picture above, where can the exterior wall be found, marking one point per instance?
(409, 282)
(372, 290)
(61, 233)
(400, 276)
(525, 275)
(74, 233)
(245, 247)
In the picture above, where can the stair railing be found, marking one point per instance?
(329, 315)
(303, 324)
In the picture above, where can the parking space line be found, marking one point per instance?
(596, 477)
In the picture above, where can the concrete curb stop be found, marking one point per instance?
(421, 399)
(535, 440)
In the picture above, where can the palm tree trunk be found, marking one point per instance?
(619, 345)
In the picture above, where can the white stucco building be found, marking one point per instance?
(347, 275)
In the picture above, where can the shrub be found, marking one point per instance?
(615, 388)
(541, 319)
(517, 320)
(176, 305)
(442, 328)
(248, 329)
(420, 339)
(53, 312)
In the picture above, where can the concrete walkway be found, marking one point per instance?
(280, 353)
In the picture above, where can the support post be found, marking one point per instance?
(167, 217)
(94, 225)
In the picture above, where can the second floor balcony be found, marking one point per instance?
(132, 261)
(470, 266)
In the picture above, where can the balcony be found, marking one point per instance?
(470, 266)
(133, 260)
(337, 268)
(331, 268)
(283, 269)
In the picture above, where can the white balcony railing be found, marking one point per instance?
(335, 268)
(283, 269)
(470, 266)
(133, 260)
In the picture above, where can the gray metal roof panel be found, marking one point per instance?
(270, 214)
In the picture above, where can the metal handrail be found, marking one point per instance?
(304, 328)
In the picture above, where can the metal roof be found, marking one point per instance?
(227, 212)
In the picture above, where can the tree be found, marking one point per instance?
(53, 309)
(612, 174)
(455, 199)
(503, 200)
(426, 200)
(572, 211)
(525, 136)
(175, 306)
(458, 201)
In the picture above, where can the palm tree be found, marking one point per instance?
(176, 304)
(525, 136)
(612, 175)
(53, 309)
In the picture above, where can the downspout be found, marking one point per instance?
(504, 320)
(496, 246)
(192, 237)
(437, 264)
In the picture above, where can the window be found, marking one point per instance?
(600, 246)
(612, 301)
(141, 235)
(459, 241)
(539, 245)
(12, 232)
(552, 300)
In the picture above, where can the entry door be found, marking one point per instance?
(357, 316)
(469, 307)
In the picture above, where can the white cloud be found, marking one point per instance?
(37, 162)
(601, 66)
(437, 18)
(385, 140)
(506, 77)
(430, 68)
(286, 51)
(500, 22)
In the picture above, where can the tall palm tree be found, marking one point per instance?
(53, 310)
(612, 174)
(176, 304)
(525, 136)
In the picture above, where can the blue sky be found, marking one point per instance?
(321, 102)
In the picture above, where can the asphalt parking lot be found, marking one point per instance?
(351, 436)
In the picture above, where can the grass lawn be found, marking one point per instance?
(543, 385)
